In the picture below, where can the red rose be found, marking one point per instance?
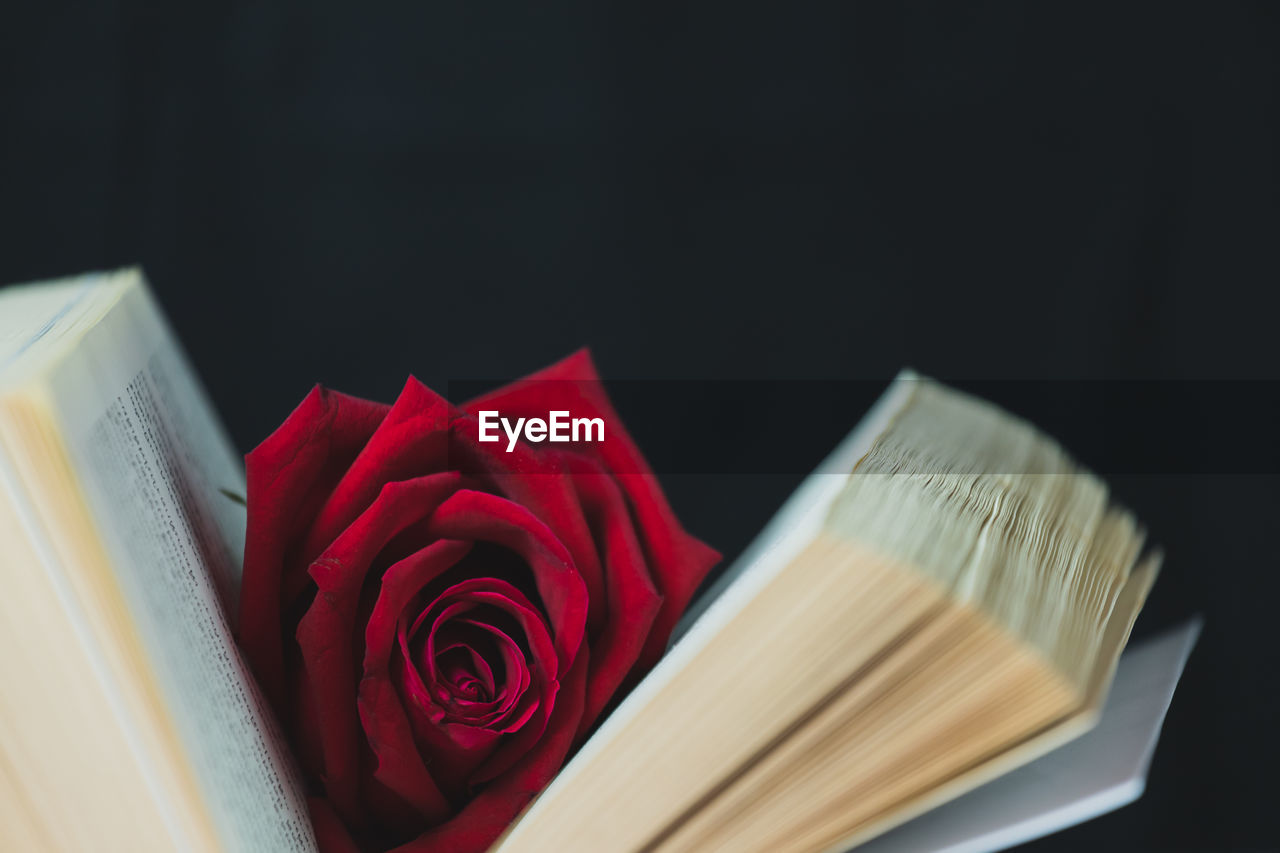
(438, 621)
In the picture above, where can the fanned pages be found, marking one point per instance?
(1096, 773)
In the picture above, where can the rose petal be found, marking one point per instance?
(483, 819)
(454, 749)
(515, 704)
(331, 835)
(633, 602)
(457, 745)
(505, 597)
(513, 659)
(457, 748)
(535, 480)
(516, 681)
(325, 631)
(469, 673)
(411, 441)
(480, 516)
(677, 561)
(288, 475)
(387, 729)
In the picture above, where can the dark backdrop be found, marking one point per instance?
(347, 193)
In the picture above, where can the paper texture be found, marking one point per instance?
(153, 464)
(1092, 775)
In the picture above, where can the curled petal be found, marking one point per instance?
(331, 835)
(468, 594)
(387, 729)
(487, 715)
(460, 744)
(410, 441)
(632, 601)
(479, 666)
(536, 480)
(288, 475)
(480, 516)
(325, 631)
(483, 819)
(677, 560)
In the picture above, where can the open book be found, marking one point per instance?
(944, 601)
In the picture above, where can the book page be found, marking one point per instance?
(32, 312)
(157, 473)
(1094, 774)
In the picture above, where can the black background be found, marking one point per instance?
(348, 193)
